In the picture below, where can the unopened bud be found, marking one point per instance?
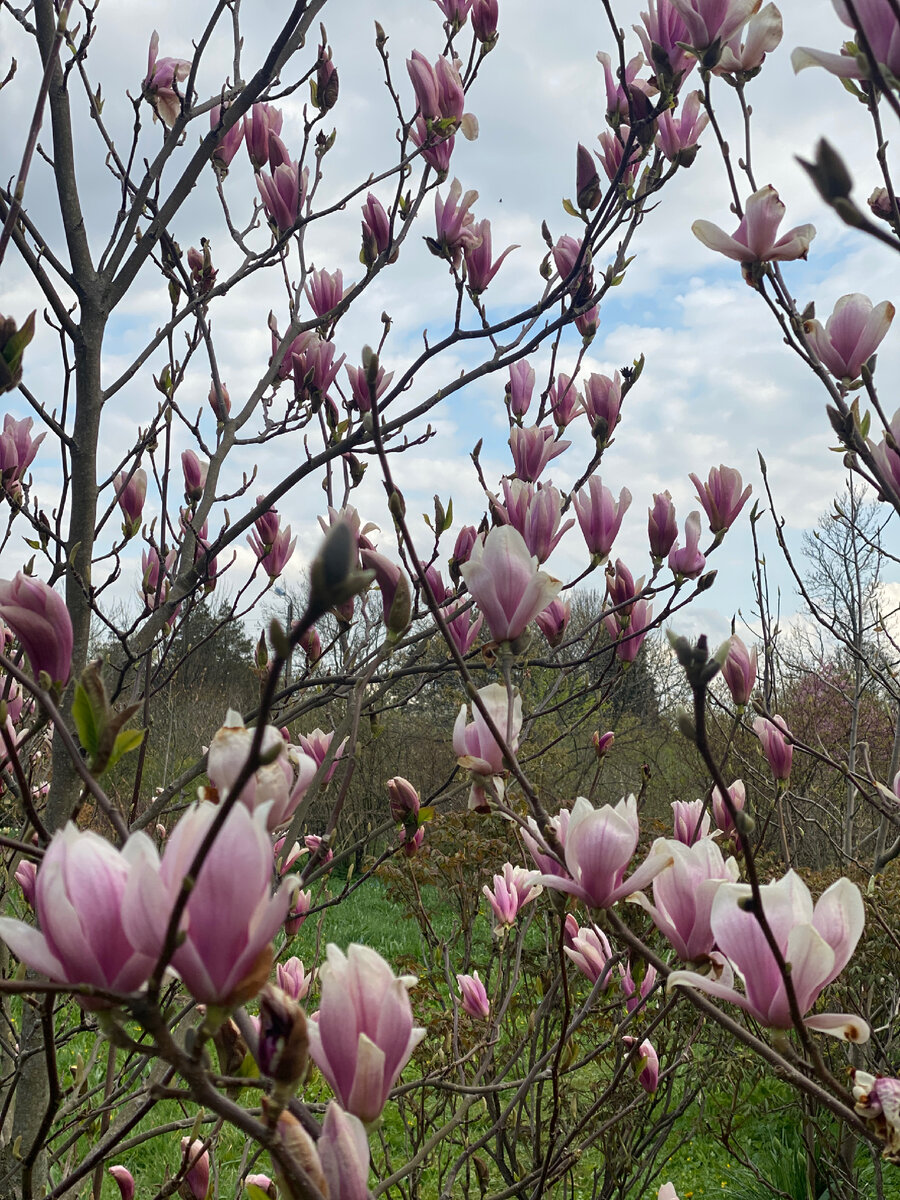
(829, 173)
(283, 1049)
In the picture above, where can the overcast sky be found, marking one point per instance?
(719, 386)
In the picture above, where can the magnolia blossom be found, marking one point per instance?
(664, 35)
(724, 822)
(554, 620)
(629, 636)
(815, 942)
(877, 1099)
(882, 29)
(17, 451)
(537, 848)
(722, 497)
(779, 751)
(456, 232)
(317, 744)
(647, 1064)
(599, 516)
(474, 996)
(851, 335)
(363, 1034)
(125, 1181)
(684, 893)
(662, 528)
(195, 1164)
(474, 744)
(635, 995)
(78, 897)
(745, 53)
(600, 844)
(887, 457)
(293, 978)
(678, 134)
(532, 448)
(231, 916)
(263, 122)
(667, 1192)
(590, 951)
(709, 21)
(39, 618)
(506, 584)
(511, 892)
(160, 84)
(739, 670)
(131, 492)
(343, 1150)
(481, 266)
(688, 561)
(690, 821)
(756, 238)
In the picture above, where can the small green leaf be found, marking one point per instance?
(85, 720)
(126, 741)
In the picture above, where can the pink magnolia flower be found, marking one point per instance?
(229, 143)
(663, 36)
(325, 291)
(647, 1065)
(39, 618)
(678, 135)
(554, 620)
(456, 11)
(298, 913)
(131, 492)
(779, 751)
(464, 625)
(474, 996)
(195, 1157)
(225, 955)
(602, 742)
(538, 849)
(590, 951)
(602, 401)
(481, 267)
(376, 229)
(363, 1034)
(283, 192)
(722, 497)
(520, 387)
(746, 53)
(361, 385)
(261, 1187)
(317, 744)
(617, 107)
(219, 402)
(882, 29)
(667, 1192)
(293, 979)
(739, 670)
(506, 584)
(600, 844)
(124, 1180)
(684, 893)
(456, 231)
(877, 1099)
(532, 448)
(635, 995)
(738, 796)
(160, 83)
(511, 892)
(709, 21)
(629, 637)
(282, 782)
(404, 800)
(756, 238)
(599, 516)
(26, 877)
(540, 523)
(565, 401)
(195, 473)
(662, 528)
(272, 545)
(485, 14)
(612, 155)
(887, 458)
(437, 148)
(343, 1150)
(690, 821)
(688, 562)
(264, 122)
(396, 597)
(78, 899)
(816, 943)
(314, 369)
(17, 451)
(438, 89)
(474, 744)
(851, 335)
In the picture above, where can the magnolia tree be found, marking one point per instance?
(157, 957)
